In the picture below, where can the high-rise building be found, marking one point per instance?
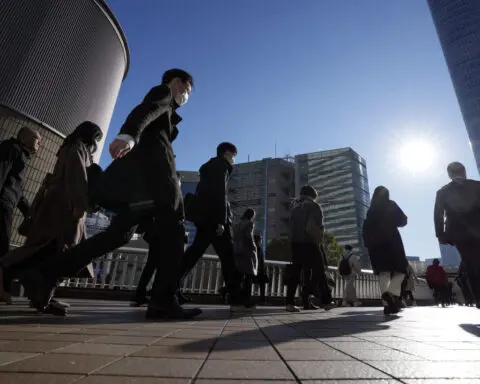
(267, 186)
(458, 28)
(450, 255)
(62, 63)
(413, 258)
(340, 177)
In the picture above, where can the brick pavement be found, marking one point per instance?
(111, 343)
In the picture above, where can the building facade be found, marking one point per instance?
(457, 23)
(340, 177)
(267, 186)
(450, 255)
(61, 65)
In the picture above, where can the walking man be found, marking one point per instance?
(14, 156)
(457, 221)
(140, 186)
(214, 220)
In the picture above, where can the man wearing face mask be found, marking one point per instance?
(214, 220)
(141, 187)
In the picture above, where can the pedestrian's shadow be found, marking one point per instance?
(474, 329)
(349, 324)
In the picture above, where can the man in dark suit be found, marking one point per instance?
(14, 156)
(457, 221)
(139, 186)
(214, 223)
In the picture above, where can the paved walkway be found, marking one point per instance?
(110, 343)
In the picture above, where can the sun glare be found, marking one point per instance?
(417, 156)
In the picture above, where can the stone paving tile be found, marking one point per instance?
(441, 381)
(125, 340)
(370, 381)
(244, 351)
(37, 378)
(129, 380)
(429, 370)
(18, 335)
(11, 357)
(172, 352)
(60, 363)
(306, 370)
(153, 367)
(384, 355)
(209, 381)
(100, 349)
(442, 355)
(259, 370)
(313, 355)
(33, 346)
(68, 337)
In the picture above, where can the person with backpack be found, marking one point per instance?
(457, 221)
(349, 268)
(58, 215)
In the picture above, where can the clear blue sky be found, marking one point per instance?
(310, 75)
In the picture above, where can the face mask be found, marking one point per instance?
(181, 99)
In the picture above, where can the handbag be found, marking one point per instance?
(192, 207)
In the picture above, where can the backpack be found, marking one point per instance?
(344, 268)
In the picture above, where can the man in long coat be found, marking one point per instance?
(14, 156)
(142, 184)
(457, 221)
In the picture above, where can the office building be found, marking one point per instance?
(450, 255)
(413, 258)
(267, 186)
(63, 62)
(457, 23)
(340, 177)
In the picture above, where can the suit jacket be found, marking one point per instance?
(146, 177)
(457, 211)
(212, 192)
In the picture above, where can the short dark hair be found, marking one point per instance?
(348, 247)
(173, 73)
(456, 169)
(248, 214)
(226, 147)
(308, 190)
(436, 261)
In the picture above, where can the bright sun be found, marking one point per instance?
(417, 156)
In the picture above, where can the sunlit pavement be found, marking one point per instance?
(109, 342)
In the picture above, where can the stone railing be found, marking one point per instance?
(120, 270)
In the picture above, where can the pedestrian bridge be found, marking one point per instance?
(119, 272)
(107, 342)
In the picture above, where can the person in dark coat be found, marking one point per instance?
(14, 156)
(140, 185)
(141, 296)
(58, 213)
(261, 278)
(306, 227)
(245, 253)
(214, 221)
(457, 221)
(385, 246)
